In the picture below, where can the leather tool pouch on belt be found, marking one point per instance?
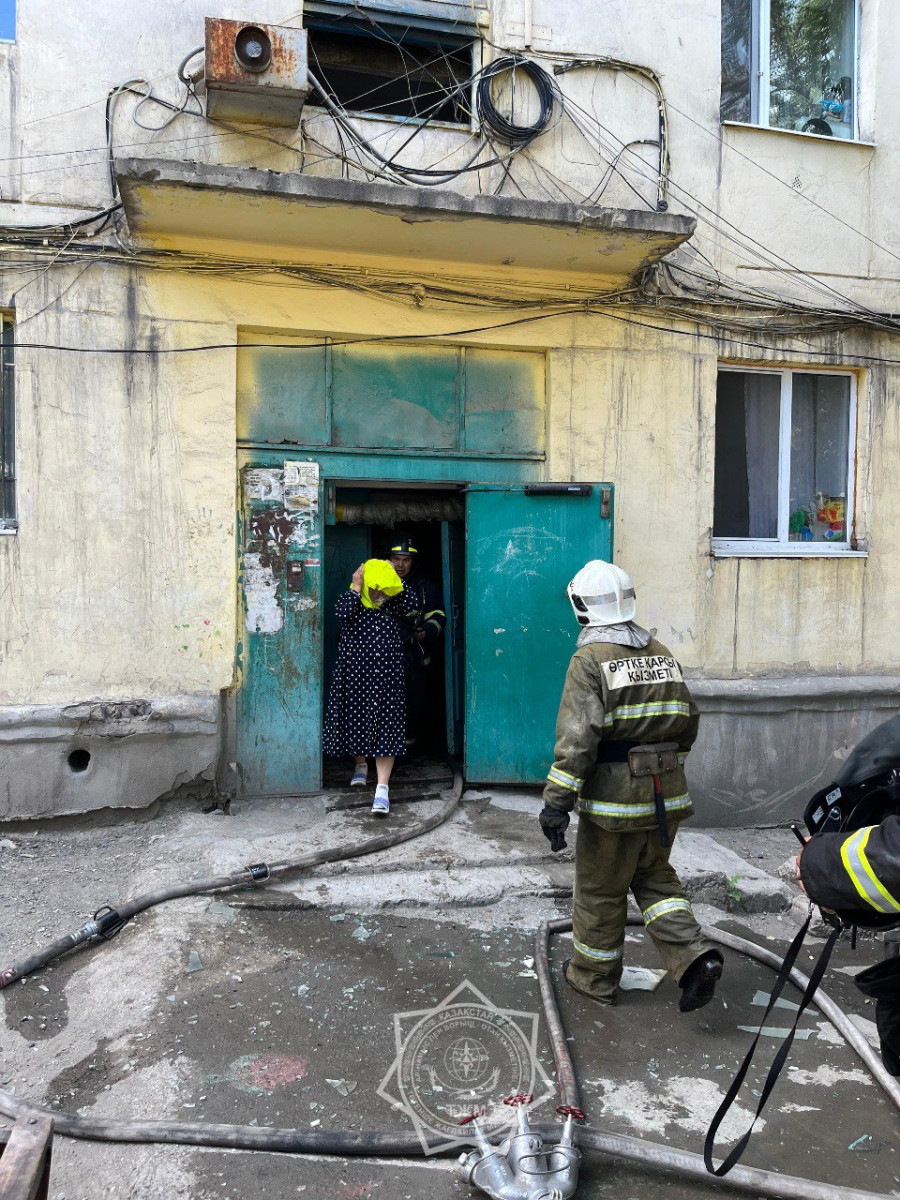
(653, 759)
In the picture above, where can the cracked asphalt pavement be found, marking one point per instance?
(275, 1006)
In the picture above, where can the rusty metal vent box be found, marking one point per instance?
(255, 72)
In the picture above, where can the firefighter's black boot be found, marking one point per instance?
(698, 983)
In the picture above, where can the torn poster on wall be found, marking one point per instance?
(282, 515)
(301, 487)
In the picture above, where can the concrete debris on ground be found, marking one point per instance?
(281, 1005)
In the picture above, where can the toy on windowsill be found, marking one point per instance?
(798, 526)
(835, 109)
(831, 510)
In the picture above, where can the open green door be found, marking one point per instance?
(279, 701)
(523, 545)
(453, 560)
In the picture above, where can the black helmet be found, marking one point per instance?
(403, 545)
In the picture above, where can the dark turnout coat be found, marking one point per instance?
(620, 694)
(859, 870)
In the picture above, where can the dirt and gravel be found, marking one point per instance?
(279, 1006)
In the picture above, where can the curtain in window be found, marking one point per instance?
(820, 432)
(737, 59)
(762, 411)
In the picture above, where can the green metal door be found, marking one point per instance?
(453, 560)
(523, 545)
(279, 700)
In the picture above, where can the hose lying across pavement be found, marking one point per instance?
(691, 1166)
(108, 922)
(371, 1142)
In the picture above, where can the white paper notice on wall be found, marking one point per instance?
(301, 487)
(304, 474)
(263, 483)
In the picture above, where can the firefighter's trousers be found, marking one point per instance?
(607, 867)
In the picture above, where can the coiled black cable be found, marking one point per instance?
(501, 127)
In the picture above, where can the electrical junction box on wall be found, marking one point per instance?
(255, 72)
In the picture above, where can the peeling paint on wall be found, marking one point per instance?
(264, 613)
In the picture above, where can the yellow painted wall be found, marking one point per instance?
(121, 579)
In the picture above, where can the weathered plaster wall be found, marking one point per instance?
(821, 205)
(120, 583)
(124, 553)
(124, 584)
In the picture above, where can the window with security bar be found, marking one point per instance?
(791, 64)
(7, 429)
(784, 462)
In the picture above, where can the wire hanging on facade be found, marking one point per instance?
(498, 141)
(505, 129)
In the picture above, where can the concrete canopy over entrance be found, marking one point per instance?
(302, 214)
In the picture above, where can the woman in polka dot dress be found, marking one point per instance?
(366, 714)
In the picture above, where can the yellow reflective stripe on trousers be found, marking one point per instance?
(673, 904)
(564, 779)
(604, 808)
(597, 955)
(653, 708)
(866, 882)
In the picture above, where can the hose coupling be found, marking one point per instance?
(109, 922)
(522, 1167)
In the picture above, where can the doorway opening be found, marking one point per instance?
(365, 521)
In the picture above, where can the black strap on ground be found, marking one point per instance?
(783, 1050)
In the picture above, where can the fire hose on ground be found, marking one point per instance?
(375, 1143)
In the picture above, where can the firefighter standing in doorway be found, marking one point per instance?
(626, 722)
(420, 633)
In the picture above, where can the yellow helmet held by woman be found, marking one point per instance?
(381, 576)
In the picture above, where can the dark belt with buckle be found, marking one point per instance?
(615, 752)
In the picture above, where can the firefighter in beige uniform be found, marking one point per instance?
(626, 722)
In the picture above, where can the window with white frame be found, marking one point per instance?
(790, 64)
(784, 461)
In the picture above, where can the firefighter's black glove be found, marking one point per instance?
(554, 824)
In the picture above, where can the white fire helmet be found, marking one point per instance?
(602, 594)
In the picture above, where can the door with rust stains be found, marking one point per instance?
(523, 545)
(279, 706)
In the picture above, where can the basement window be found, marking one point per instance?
(7, 430)
(374, 64)
(784, 462)
(790, 64)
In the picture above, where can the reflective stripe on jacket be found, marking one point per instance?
(860, 870)
(619, 693)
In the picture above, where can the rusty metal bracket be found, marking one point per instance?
(25, 1160)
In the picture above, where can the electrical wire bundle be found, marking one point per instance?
(503, 128)
(677, 288)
